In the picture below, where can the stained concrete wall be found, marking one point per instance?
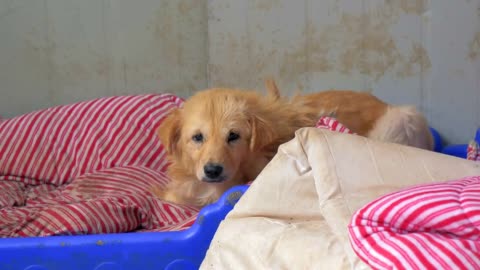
(420, 52)
(61, 51)
(417, 52)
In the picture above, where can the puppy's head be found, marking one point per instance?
(215, 133)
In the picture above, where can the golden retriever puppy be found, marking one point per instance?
(225, 137)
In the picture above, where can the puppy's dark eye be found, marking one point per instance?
(198, 138)
(232, 136)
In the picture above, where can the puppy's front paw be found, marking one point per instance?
(166, 194)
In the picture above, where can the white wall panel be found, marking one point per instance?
(420, 52)
(61, 51)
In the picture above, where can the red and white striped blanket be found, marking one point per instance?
(87, 168)
(434, 226)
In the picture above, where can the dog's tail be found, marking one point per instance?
(403, 125)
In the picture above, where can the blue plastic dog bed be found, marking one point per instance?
(460, 150)
(129, 251)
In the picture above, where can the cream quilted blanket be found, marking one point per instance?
(295, 214)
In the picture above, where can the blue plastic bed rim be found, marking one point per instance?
(127, 251)
(457, 150)
(437, 140)
(460, 150)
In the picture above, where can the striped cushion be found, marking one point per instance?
(59, 144)
(87, 168)
(434, 226)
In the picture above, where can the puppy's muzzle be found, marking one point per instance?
(213, 172)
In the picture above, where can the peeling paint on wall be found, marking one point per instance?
(357, 42)
(474, 47)
(57, 52)
(416, 7)
(267, 4)
(360, 42)
(406, 51)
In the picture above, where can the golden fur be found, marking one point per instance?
(262, 123)
(240, 131)
(368, 116)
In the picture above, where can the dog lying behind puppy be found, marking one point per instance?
(225, 137)
(368, 116)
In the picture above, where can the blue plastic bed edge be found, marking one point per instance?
(457, 150)
(437, 140)
(460, 150)
(128, 251)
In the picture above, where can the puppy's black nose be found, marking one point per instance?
(213, 170)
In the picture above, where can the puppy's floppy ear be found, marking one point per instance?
(262, 133)
(169, 131)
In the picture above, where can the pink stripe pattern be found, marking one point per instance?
(332, 124)
(433, 226)
(87, 168)
(473, 151)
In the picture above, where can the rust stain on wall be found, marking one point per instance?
(360, 43)
(474, 47)
(417, 7)
(266, 5)
(293, 64)
(370, 49)
(416, 61)
(186, 6)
